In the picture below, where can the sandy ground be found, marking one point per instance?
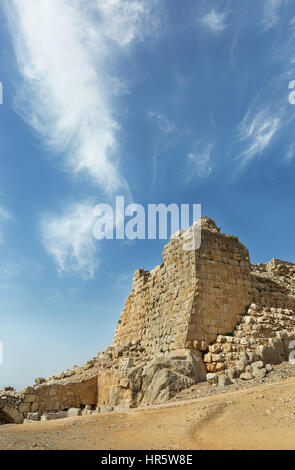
(262, 417)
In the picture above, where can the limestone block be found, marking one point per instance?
(259, 373)
(226, 348)
(25, 407)
(257, 365)
(215, 348)
(232, 373)
(224, 380)
(246, 376)
(164, 383)
(29, 398)
(212, 378)
(208, 357)
(40, 380)
(125, 382)
(34, 416)
(74, 412)
(54, 415)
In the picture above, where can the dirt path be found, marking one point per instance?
(262, 417)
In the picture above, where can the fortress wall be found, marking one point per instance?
(61, 396)
(269, 293)
(223, 287)
(158, 310)
(190, 298)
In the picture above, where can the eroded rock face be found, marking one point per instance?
(152, 382)
(177, 371)
(9, 412)
(164, 384)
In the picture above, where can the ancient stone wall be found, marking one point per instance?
(222, 287)
(50, 396)
(190, 298)
(195, 295)
(263, 334)
(158, 310)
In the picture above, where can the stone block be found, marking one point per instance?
(54, 415)
(212, 378)
(34, 416)
(224, 380)
(74, 412)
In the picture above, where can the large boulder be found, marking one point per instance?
(164, 383)
(175, 371)
(154, 382)
(10, 413)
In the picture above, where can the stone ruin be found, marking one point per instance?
(201, 314)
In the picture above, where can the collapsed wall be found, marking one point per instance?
(202, 310)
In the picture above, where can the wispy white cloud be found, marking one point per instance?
(164, 128)
(5, 217)
(69, 239)
(66, 52)
(216, 22)
(199, 161)
(163, 123)
(289, 153)
(271, 13)
(257, 131)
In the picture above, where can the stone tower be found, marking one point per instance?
(190, 298)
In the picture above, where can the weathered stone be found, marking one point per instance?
(125, 383)
(212, 378)
(208, 357)
(40, 380)
(224, 380)
(29, 398)
(24, 407)
(232, 373)
(54, 415)
(257, 365)
(246, 376)
(34, 416)
(164, 383)
(106, 408)
(259, 373)
(135, 378)
(8, 388)
(74, 412)
(87, 410)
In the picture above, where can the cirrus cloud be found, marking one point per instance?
(66, 54)
(216, 22)
(68, 238)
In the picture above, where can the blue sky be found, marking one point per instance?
(159, 101)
